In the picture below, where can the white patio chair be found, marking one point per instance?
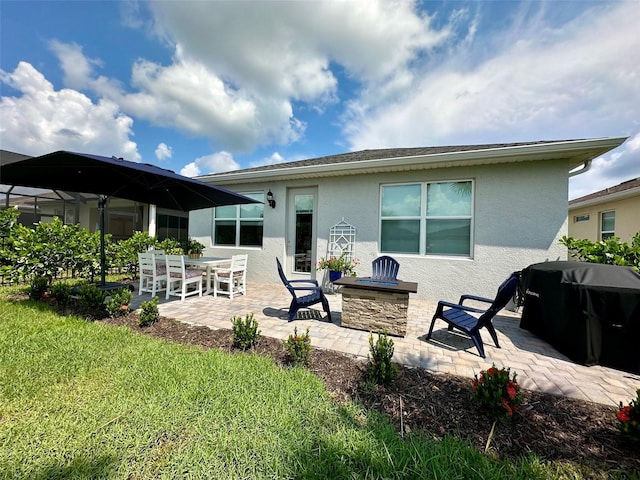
(153, 273)
(179, 278)
(234, 277)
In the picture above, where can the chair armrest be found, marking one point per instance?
(473, 297)
(310, 289)
(442, 303)
(313, 282)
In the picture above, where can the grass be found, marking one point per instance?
(85, 400)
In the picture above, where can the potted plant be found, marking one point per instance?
(194, 248)
(338, 266)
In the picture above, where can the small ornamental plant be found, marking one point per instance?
(380, 370)
(38, 288)
(299, 348)
(92, 298)
(245, 332)
(629, 419)
(61, 292)
(118, 303)
(338, 264)
(148, 312)
(496, 392)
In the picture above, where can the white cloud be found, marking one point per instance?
(42, 120)
(577, 80)
(214, 163)
(163, 152)
(76, 67)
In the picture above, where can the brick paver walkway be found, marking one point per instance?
(538, 365)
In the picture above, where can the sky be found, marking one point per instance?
(211, 86)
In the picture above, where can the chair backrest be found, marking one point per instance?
(239, 262)
(385, 268)
(506, 291)
(145, 262)
(284, 279)
(175, 266)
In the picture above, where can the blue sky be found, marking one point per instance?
(201, 87)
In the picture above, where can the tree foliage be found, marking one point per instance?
(611, 251)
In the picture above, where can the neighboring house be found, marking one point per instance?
(612, 212)
(122, 217)
(458, 219)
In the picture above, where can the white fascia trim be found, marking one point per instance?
(611, 197)
(449, 159)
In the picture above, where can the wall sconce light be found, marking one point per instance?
(270, 200)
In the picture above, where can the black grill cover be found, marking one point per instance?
(590, 312)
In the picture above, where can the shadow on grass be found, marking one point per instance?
(81, 467)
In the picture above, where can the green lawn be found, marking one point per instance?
(85, 400)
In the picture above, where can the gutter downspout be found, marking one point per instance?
(586, 166)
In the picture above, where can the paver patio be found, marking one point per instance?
(538, 365)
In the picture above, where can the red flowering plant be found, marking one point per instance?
(629, 419)
(497, 392)
(338, 264)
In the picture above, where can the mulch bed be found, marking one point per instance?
(552, 427)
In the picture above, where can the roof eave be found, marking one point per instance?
(610, 197)
(575, 152)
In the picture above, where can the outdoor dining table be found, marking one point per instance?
(208, 264)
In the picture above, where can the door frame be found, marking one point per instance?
(291, 231)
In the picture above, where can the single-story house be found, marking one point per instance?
(459, 219)
(612, 212)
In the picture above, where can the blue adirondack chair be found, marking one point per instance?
(297, 288)
(457, 317)
(384, 268)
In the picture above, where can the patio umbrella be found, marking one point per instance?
(115, 177)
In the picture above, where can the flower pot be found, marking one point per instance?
(195, 255)
(333, 275)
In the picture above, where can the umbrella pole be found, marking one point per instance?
(102, 200)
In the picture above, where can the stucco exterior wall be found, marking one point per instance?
(627, 219)
(520, 213)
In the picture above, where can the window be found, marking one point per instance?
(607, 225)
(239, 225)
(581, 218)
(426, 218)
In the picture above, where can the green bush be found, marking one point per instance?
(380, 369)
(148, 312)
(118, 303)
(299, 348)
(245, 332)
(496, 392)
(611, 251)
(61, 292)
(91, 298)
(38, 287)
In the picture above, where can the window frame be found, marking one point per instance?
(608, 233)
(238, 219)
(423, 219)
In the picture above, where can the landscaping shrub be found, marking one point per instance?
(61, 292)
(496, 392)
(380, 369)
(38, 287)
(299, 348)
(118, 303)
(148, 312)
(92, 298)
(610, 251)
(629, 419)
(245, 332)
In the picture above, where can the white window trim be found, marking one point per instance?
(238, 220)
(602, 231)
(422, 217)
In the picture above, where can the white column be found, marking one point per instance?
(152, 220)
